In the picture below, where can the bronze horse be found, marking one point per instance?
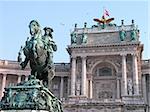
(37, 55)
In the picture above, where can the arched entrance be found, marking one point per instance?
(104, 81)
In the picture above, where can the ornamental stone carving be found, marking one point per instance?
(114, 61)
(105, 95)
(130, 87)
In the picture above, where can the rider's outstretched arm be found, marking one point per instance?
(24, 64)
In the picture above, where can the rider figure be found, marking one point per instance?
(49, 45)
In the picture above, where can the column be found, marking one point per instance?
(19, 79)
(124, 76)
(135, 75)
(118, 88)
(144, 88)
(68, 89)
(84, 81)
(26, 78)
(73, 76)
(3, 84)
(91, 89)
(61, 87)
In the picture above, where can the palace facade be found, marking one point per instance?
(106, 72)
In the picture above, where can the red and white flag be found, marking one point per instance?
(106, 12)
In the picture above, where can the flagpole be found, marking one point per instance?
(104, 11)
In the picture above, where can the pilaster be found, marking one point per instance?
(19, 79)
(61, 87)
(124, 76)
(73, 76)
(84, 78)
(135, 75)
(3, 84)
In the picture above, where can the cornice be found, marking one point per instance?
(104, 45)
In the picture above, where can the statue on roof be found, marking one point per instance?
(104, 20)
(134, 32)
(73, 38)
(84, 38)
(122, 34)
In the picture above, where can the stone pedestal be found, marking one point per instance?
(29, 95)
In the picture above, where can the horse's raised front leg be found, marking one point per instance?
(34, 48)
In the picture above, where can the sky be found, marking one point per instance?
(61, 16)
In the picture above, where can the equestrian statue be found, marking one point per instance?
(38, 52)
(34, 93)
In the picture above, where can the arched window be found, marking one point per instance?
(105, 71)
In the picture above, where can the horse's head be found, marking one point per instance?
(34, 27)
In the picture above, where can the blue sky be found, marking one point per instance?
(61, 16)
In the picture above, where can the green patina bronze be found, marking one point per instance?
(78, 39)
(34, 93)
(134, 33)
(84, 38)
(122, 34)
(103, 26)
(38, 52)
(73, 38)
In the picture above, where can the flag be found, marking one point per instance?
(106, 13)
